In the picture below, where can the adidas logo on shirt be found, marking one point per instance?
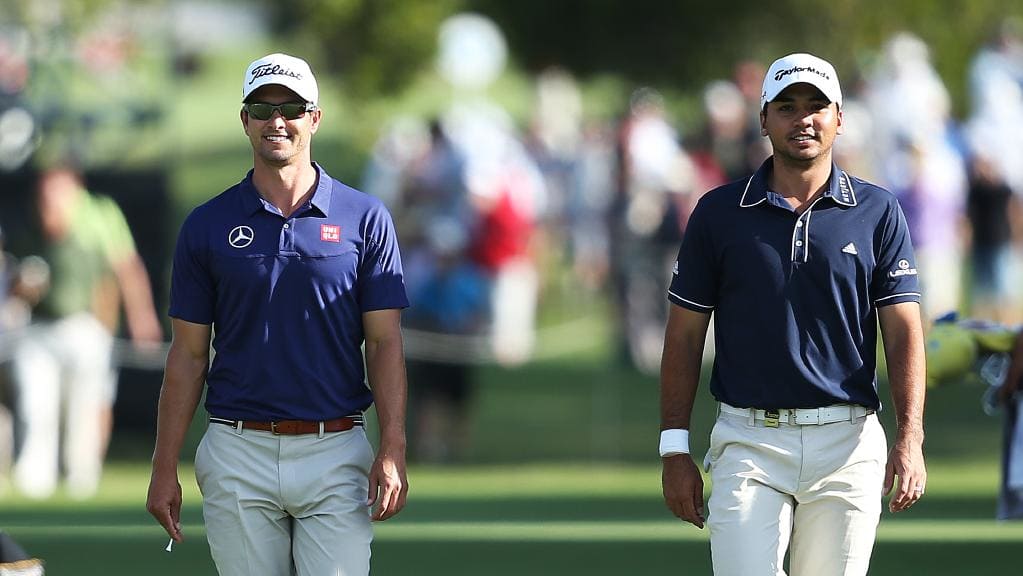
(850, 248)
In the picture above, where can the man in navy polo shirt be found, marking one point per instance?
(798, 265)
(291, 272)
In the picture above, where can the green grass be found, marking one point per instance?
(508, 519)
(572, 488)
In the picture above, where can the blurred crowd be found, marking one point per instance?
(493, 215)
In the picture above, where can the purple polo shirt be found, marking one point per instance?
(795, 296)
(286, 297)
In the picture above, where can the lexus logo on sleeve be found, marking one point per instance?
(240, 236)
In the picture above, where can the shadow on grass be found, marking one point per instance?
(500, 509)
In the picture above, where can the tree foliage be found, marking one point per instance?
(685, 43)
(375, 45)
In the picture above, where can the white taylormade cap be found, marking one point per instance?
(288, 71)
(796, 68)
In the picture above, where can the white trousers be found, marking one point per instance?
(812, 490)
(286, 505)
(62, 381)
(513, 300)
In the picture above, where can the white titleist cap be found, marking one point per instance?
(796, 68)
(288, 71)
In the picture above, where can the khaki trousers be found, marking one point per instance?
(811, 490)
(286, 505)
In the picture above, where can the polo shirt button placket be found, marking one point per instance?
(801, 237)
(288, 236)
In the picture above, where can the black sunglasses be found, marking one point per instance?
(288, 110)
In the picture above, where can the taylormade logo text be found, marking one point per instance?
(783, 73)
(271, 69)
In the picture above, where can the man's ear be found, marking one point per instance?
(314, 123)
(839, 110)
(245, 120)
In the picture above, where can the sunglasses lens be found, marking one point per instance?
(263, 111)
(292, 110)
(260, 110)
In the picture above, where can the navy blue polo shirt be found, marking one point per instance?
(285, 297)
(795, 297)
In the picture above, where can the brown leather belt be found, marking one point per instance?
(293, 427)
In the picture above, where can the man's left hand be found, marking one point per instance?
(388, 486)
(906, 460)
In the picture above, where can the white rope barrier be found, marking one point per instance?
(555, 341)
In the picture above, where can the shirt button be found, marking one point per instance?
(286, 225)
(799, 242)
(799, 224)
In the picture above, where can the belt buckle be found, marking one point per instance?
(273, 428)
(771, 418)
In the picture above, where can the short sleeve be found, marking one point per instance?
(895, 276)
(381, 282)
(694, 277)
(118, 244)
(192, 296)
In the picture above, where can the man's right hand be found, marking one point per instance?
(164, 502)
(683, 488)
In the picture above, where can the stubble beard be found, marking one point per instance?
(803, 160)
(277, 156)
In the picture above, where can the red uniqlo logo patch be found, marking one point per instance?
(330, 233)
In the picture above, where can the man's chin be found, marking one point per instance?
(276, 157)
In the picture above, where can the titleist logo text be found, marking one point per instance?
(270, 69)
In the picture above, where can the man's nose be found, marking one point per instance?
(276, 118)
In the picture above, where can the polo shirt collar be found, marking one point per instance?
(840, 188)
(252, 202)
(321, 196)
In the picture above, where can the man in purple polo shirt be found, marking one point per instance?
(798, 265)
(290, 272)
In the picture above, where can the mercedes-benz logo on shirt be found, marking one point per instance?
(240, 236)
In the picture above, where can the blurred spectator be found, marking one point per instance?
(749, 79)
(1010, 396)
(556, 133)
(22, 284)
(587, 211)
(995, 126)
(920, 164)
(576, 160)
(7, 278)
(507, 191)
(451, 299)
(553, 141)
(994, 132)
(993, 213)
(854, 150)
(728, 136)
(402, 143)
(449, 292)
(656, 180)
(62, 366)
(15, 292)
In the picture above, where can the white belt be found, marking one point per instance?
(801, 416)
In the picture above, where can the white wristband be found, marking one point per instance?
(674, 441)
